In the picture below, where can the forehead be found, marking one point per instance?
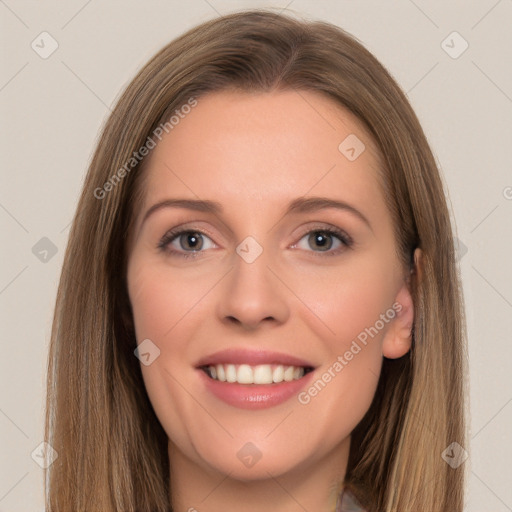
(262, 149)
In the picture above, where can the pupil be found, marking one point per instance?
(321, 240)
(192, 239)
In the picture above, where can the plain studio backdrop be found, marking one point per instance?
(64, 65)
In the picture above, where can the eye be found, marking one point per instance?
(324, 239)
(185, 241)
(189, 243)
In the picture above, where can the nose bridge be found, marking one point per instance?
(252, 292)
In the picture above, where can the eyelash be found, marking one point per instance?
(173, 234)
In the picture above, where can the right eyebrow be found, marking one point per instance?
(198, 205)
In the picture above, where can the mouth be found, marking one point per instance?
(255, 374)
(253, 378)
(248, 378)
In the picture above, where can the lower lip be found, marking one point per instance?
(254, 396)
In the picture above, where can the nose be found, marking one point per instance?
(253, 294)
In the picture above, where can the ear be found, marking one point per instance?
(398, 338)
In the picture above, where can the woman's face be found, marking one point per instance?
(266, 283)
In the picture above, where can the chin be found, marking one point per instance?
(260, 470)
(248, 462)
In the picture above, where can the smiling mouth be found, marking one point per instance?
(258, 374)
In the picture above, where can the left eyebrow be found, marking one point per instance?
(311, 204)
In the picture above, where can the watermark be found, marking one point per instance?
(461, 249)
(249, 249)
(351, 147)
(144, 150)
(44, 250)
(44, 45)
(454, 455)
(305, 397)
(454, 45)
(147, 352)
(44, 455)
(249, 454)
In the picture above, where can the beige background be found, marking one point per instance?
(52, 110)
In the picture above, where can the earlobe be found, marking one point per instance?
(398, 339)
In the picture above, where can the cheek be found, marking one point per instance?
(351, 324)
(160, 298)
(348, 301)
(352, 333)
(164, 307)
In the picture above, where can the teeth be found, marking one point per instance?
(288, 374)
(219, 370)
(278, 374)
(263, 374)
(231, 373)
(260, 374)
(244, 374)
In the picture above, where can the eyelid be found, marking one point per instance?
(189, 227)
(330, 228)
(174, 233)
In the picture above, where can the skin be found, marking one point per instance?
(254, 153)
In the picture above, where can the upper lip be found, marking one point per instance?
(251, 357)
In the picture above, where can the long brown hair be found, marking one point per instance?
(112, 450)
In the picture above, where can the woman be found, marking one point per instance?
(259, 302)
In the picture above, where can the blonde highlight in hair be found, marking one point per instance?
(112, 450)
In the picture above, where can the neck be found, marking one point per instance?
(312, 486)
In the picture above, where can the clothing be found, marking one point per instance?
(347, 503)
